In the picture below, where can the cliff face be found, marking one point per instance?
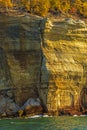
(65, 53)
(43, 59)
(20, 57)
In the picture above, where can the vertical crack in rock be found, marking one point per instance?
(42, 27)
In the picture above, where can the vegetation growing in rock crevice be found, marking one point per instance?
(42, 7)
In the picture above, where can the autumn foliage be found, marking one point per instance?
(43, 7)
(5, 3)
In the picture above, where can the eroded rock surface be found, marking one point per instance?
(44, 59)
(20, 42)
(8, 107)
(32, 106)
(66, 61)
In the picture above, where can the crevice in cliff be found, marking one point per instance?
(83, 93)
(41, 27)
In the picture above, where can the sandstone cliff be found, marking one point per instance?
(65, 53)
(43, 59)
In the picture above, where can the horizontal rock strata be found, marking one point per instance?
(44, 59)
(65, 55)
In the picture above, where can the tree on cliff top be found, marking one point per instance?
(6, 4)
(43, 7)
(39, 7)
(62, 5)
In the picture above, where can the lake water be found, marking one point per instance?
(46, 123)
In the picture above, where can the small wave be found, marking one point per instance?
(79, 115)
(82, 115)
(12, 122)
(75, 115)
(45, 116)
(36, 116)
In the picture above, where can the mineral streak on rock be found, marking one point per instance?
(44, 59)
(66, 60)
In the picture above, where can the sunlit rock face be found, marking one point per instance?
(65, 50)
(44, 59)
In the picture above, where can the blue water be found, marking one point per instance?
(49, 123)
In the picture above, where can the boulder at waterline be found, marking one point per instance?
(7, 106)
(32, 106)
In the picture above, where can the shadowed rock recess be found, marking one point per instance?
(45, 60)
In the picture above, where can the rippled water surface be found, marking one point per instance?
(50, 123)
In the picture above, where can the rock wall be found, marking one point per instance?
(20, 43)
(65, 50)
(43, 59)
